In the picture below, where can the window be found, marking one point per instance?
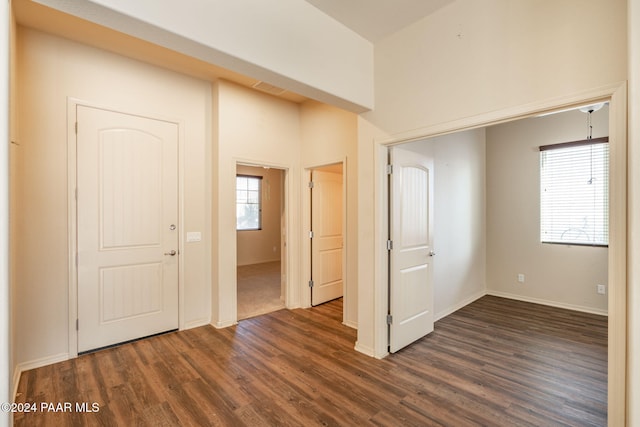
(248, 202)
(574, 192)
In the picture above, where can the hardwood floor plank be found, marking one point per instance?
(401, 417)
(145, 389)
(495, 362)
(249, 416)
(437, 409)
(159, 415)
(189, 411)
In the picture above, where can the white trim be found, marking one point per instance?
(196, 324)
(44, 361)
(349, 324)
(368, 351)
(291, 300)
(71, 225)
(306, 226)
(222, 325)
(381, 263)
(181, 219)
(616, 93)
(72, 105)
(444, 313)
(33, 364)
(617, 264)
(305, 223)
(633, 376)
(549, 303)
(492, 118)
(17, 372)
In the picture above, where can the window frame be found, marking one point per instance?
(258, 178)
(586, 142)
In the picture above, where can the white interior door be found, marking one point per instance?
(327, 241)
(411, 225)
(127, 202)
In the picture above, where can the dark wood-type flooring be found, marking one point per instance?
(495, 362)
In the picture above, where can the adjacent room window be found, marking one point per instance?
(248, 202)
(574, 192)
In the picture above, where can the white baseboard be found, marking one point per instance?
(33, 364)
(364, 350)
(350, 324)
(222, 325)
(467, 301)
(16, 379)
(196, 323)
(549, 303)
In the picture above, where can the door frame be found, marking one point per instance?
(306, 227)
(616, 95)
(72, 221)
(285, 266)
(290, 294)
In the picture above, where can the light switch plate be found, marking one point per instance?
(194, 236)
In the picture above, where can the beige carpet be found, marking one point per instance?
(259, 289)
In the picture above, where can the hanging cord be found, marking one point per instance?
(590, 131)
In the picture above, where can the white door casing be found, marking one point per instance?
(127, 227)
(411, 236)
(327, 241)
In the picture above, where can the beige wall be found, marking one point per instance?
(13, 199)
(473, 62)
(257, 246)
(289, 43)
(329, 136)
(244, 126)
(52, 69)
(6, 33)
(561, 275)
(259, 129)
(459, 267)
(483, 248)
(469, 59)
(472, 57)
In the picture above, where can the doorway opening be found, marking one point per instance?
(326, 237)
(616, 95)
(487, 228)
(260, 219)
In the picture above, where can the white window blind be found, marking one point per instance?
(574, 193)
(248, 202)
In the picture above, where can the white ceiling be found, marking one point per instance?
(377, 19)
(372, 19)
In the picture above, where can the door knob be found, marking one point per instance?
(172, 253)
(432, 253)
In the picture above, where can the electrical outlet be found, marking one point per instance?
(601, 289)
(520, 278)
